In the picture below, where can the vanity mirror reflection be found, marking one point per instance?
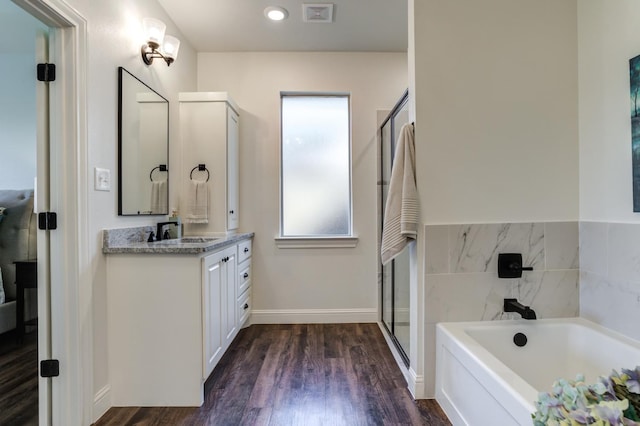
(143, 148)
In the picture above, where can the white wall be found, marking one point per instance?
(608, 37)
(114, 39)
(18, 119)
(305, 279)
(496, 143)
(496, 110)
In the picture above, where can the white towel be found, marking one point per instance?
(198, 203)
(401, 212)
(159, 197)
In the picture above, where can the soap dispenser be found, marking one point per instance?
(176, 231)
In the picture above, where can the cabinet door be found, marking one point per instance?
(231, 305)
(232, 169)
(220, 304)
(212, 299)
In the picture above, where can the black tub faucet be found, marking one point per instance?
(512, 305)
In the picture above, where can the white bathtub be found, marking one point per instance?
(483, 378)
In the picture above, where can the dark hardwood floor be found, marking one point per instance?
(312, 374)
(18, 380)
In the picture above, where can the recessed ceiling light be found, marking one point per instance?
(276, 13)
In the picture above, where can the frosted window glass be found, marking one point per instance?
(316, 189)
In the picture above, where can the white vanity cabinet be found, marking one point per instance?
(170, 318)
(209, 135)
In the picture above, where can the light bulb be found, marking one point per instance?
(276, 13)
(154, 30)
(171, 47)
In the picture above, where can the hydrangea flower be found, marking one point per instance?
(610, 412)
(605, 403)
(632, 380)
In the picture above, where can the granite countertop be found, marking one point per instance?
(131, 241)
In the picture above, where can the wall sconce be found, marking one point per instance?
(154, 31)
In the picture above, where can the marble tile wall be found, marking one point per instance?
(462, 281)
(610, 275)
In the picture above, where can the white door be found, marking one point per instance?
(62, 187)
(26, 160)
(42, 204)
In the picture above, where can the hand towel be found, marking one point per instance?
(198, 203)
(401, 212)
(159, 197)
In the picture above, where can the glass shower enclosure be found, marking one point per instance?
(395, 274)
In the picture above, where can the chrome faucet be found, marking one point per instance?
(512, 305)
(159, 235)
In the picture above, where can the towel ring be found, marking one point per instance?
(202, 168)
(161, 167)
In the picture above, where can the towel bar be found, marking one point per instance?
(202, 168)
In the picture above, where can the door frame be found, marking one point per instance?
(71, 303)
(401, 103)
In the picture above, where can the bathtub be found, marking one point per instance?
(483, 378)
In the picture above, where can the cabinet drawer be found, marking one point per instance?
(244, 277)
(244, 307)
(244, 250)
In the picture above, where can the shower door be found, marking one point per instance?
(395, 274)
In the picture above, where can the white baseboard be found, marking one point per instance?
(313, 316)
(416, 385)
(101, 402)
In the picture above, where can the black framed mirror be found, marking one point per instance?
(143, 148)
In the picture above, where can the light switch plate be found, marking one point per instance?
(102, 179)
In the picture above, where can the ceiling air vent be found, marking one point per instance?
(317, 12)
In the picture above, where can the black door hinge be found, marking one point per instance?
(47, 221)
(49, 368)
(46, 72)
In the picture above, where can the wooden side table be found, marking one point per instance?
(26, 277)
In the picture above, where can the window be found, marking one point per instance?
(315, 166)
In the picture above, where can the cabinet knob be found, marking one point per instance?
(246, 249)
(245, 307)
(225, 259)
(231, 211)
(246, 275)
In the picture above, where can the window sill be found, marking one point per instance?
(316, 242)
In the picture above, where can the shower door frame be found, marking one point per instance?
(402, 102)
